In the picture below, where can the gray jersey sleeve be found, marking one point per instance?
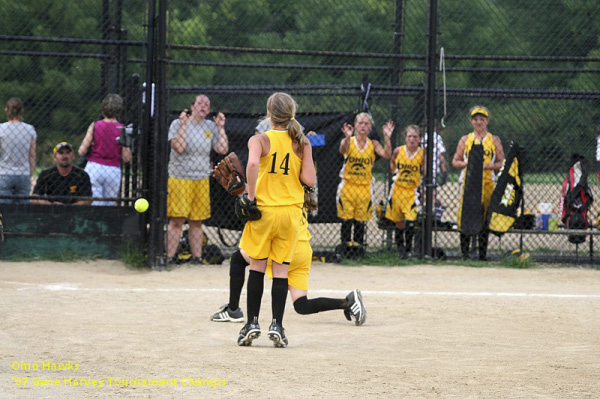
(263, 126)
(173, 129)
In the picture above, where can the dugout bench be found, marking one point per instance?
(448, 227)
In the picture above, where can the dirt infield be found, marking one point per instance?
(431, 332)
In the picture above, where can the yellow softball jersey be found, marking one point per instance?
(358, 163)
(489, 155)
(409, 168)
(279, 173)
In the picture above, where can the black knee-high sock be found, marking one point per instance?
(399, 238)
(409, 234)
(359, 232)
(465, 241)
(237, 274)
(278, 297)
(483, 243)
(303, 305)
(255, 288)
(346, 231)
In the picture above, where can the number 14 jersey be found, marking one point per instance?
(279, 173)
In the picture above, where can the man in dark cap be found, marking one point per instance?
(64, 180)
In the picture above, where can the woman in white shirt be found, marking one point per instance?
(17, 153)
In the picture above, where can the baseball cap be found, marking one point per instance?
(62, 145)
(481, 111)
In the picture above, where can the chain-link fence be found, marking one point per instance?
(533, 66)
(60, 61)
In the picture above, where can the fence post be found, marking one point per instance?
(160, 136)
(430, 107)
(148, 185)
(395, 71)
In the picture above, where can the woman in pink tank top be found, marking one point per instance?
(104, 159)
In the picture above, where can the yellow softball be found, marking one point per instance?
(141, 205)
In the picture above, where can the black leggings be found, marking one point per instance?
(405, 237)
(482, 241)
(359, 231)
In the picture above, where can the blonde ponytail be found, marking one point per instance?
(297, 136)
(281, 108)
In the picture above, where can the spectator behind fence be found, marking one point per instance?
(192, 137)
(403, 200)
(63, 180)
(476, 180)
(17, 152)
(355, 192)
(104, 152)
(440, 169)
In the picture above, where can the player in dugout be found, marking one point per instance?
(403, 200)
(354, 196)
(480, 155)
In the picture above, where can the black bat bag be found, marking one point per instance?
(471, 221)
(508, 193)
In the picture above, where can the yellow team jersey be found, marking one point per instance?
(358, 163)
(489, 155)
(279, 173)
(409, 168)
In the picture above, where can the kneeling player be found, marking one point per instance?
(298, 273)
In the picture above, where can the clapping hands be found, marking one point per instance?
(220, 120)
(388, 128)
(347, 129)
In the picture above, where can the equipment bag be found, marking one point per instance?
(349, 250)
(471, 208)
(576, 197)
(508, 193)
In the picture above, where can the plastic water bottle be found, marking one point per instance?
(553, 223)
(438, 213)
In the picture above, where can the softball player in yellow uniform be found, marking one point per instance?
(493, 157)
(355, 192)
(298, 285)
(403, 200)
(298, 273)
(278, 161)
